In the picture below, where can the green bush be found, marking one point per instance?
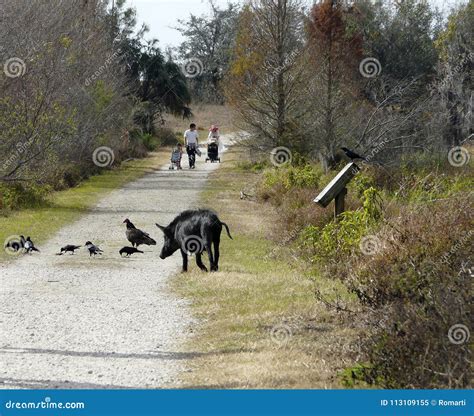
(339, 238)
(166, 137)
(150, 142)
(412, 291)
(16, 195)
(305, 176)
(253, 166)
(360, 375)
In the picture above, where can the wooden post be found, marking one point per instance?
(339, 203)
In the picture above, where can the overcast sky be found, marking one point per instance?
(162, 15)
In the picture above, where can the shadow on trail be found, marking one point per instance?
(159, 355)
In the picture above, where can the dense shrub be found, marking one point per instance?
(413, 286)
(278, 181)
(166, 136)
(18, 195)
(342, 237)
(415, 289)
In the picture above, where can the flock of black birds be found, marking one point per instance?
(23, 244)
(134, 235)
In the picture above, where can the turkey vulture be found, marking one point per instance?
(351, 155)
(136, 236)
(93, 249)
(29, 246)
(129, 251)
(68, 248)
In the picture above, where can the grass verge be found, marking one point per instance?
(260, 324)
(66, 206)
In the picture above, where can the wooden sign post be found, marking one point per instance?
(336, 189)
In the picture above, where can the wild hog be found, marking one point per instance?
(193, 232)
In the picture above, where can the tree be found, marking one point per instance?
(267, 71)
(454, 84)
(335, 52)
(401, 37)
(158, 84)
(207, 46)
(74, 71)
(63, 93)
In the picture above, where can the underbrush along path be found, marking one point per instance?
(72, 321)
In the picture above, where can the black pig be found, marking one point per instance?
(193, 232)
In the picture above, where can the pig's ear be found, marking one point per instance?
(161, 227)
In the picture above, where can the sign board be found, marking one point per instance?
(337, 185)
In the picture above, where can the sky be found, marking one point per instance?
(162, 15)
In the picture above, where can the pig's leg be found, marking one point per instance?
(200, 263)
(208, 244)
(185, 261)
(217, 241)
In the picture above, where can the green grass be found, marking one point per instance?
(63, 207)
(259, 287)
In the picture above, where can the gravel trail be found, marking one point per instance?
(72, 321)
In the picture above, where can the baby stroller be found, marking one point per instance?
(175, 159)
(213, 152)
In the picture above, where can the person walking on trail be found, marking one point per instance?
(191, 142)
(213, 135)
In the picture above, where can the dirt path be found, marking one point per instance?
(79, 322)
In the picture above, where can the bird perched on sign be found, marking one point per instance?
(29, 246)
(93, 249)
(352, 155)
(136, 236)
(68, 248)
(129, 251)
